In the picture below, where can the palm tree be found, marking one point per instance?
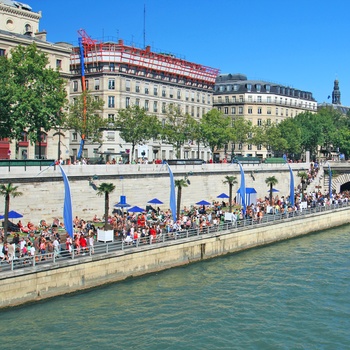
(303, 176)
(179, 184)
(230, 180)
(271, 181)
(8, 191)
(105, 189)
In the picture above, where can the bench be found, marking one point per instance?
(275, 161)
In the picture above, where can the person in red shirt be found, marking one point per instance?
(83, 244)
(152, 234)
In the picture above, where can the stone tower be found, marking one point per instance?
(336, 93)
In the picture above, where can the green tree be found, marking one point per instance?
(176, 128)
(230, 180)
(271, 181)
(216, 129)
(292, 134)
(38, 94)
(8, 191)
(84, 117)
(6, 95)
(136, 126)
(179, 184)
(105, 189)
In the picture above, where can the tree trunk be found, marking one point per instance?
(270, 194)
(106, 209)
(179, 190)
(230, 194)
(6, 216)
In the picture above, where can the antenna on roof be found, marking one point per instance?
(144, 26)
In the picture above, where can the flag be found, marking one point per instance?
(330, 181)
(172, 193)
(242, 189)
(291, 186)
(67, 207)
(81, 148)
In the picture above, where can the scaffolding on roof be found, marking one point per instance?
(97, 53)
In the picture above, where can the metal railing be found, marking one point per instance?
(161, 240)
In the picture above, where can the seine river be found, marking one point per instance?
(290, 295)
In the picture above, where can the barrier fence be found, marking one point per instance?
(160, 240)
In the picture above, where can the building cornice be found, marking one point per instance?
(23, 13)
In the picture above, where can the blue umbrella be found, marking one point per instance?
(12, 215)
(136, 209)
(203, 202)
(223, 195)
(122, 205)
(273, 190)
(155, 201)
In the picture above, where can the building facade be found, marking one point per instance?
(259, 102)
(123, 75)
(19, 25)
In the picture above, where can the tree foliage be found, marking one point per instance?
(105, 189)
(34, 97)
(136, 126)
(84, 117)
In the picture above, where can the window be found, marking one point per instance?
(240, 98)
(233, 110)
(249, 87)
(163, 91)
(2, 52)
(250, 98)
(137, 102)
(250, 147)
(234, 99)
(112, 67)
(146, 105)
(240, 146)
(111, 101)
(219, 99)
(259, 99)
(276, 110)
(75, 136)
(225, 110)
(240, 110)
(163, 107)
(127, 102)
(281, 111)
(155, 106)
(192, 96)
(227, 100)
(250, 110)
(198, 111)
(259, 123)
(171, 93)
(268, 110)
(235, 87)
(111, 84)
(58, 63)
(192, 111)
(179, 94)
(110, 118)
(268, 121)
(260, 110)
(258, 147)
(155, 90)
(198, 97)
(75, 85)
(137, 87)
(97, 84)
(258, 87)
(268, 99)
(268, 88)
(187, 95)
(127, 85)
(146, 89)
(87, 84)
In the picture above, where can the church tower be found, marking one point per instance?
(336, 93)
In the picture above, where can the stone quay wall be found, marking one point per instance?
(43, 190)
(45, 281)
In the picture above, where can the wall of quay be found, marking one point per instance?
(40, 282)
(43, 190)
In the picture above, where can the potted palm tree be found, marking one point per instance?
(8, 191)
(230, 180)
(271, 181)
(107, 232)
(179, 184)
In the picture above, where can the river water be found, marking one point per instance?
(290, 295)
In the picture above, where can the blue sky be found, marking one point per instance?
(300, 43)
